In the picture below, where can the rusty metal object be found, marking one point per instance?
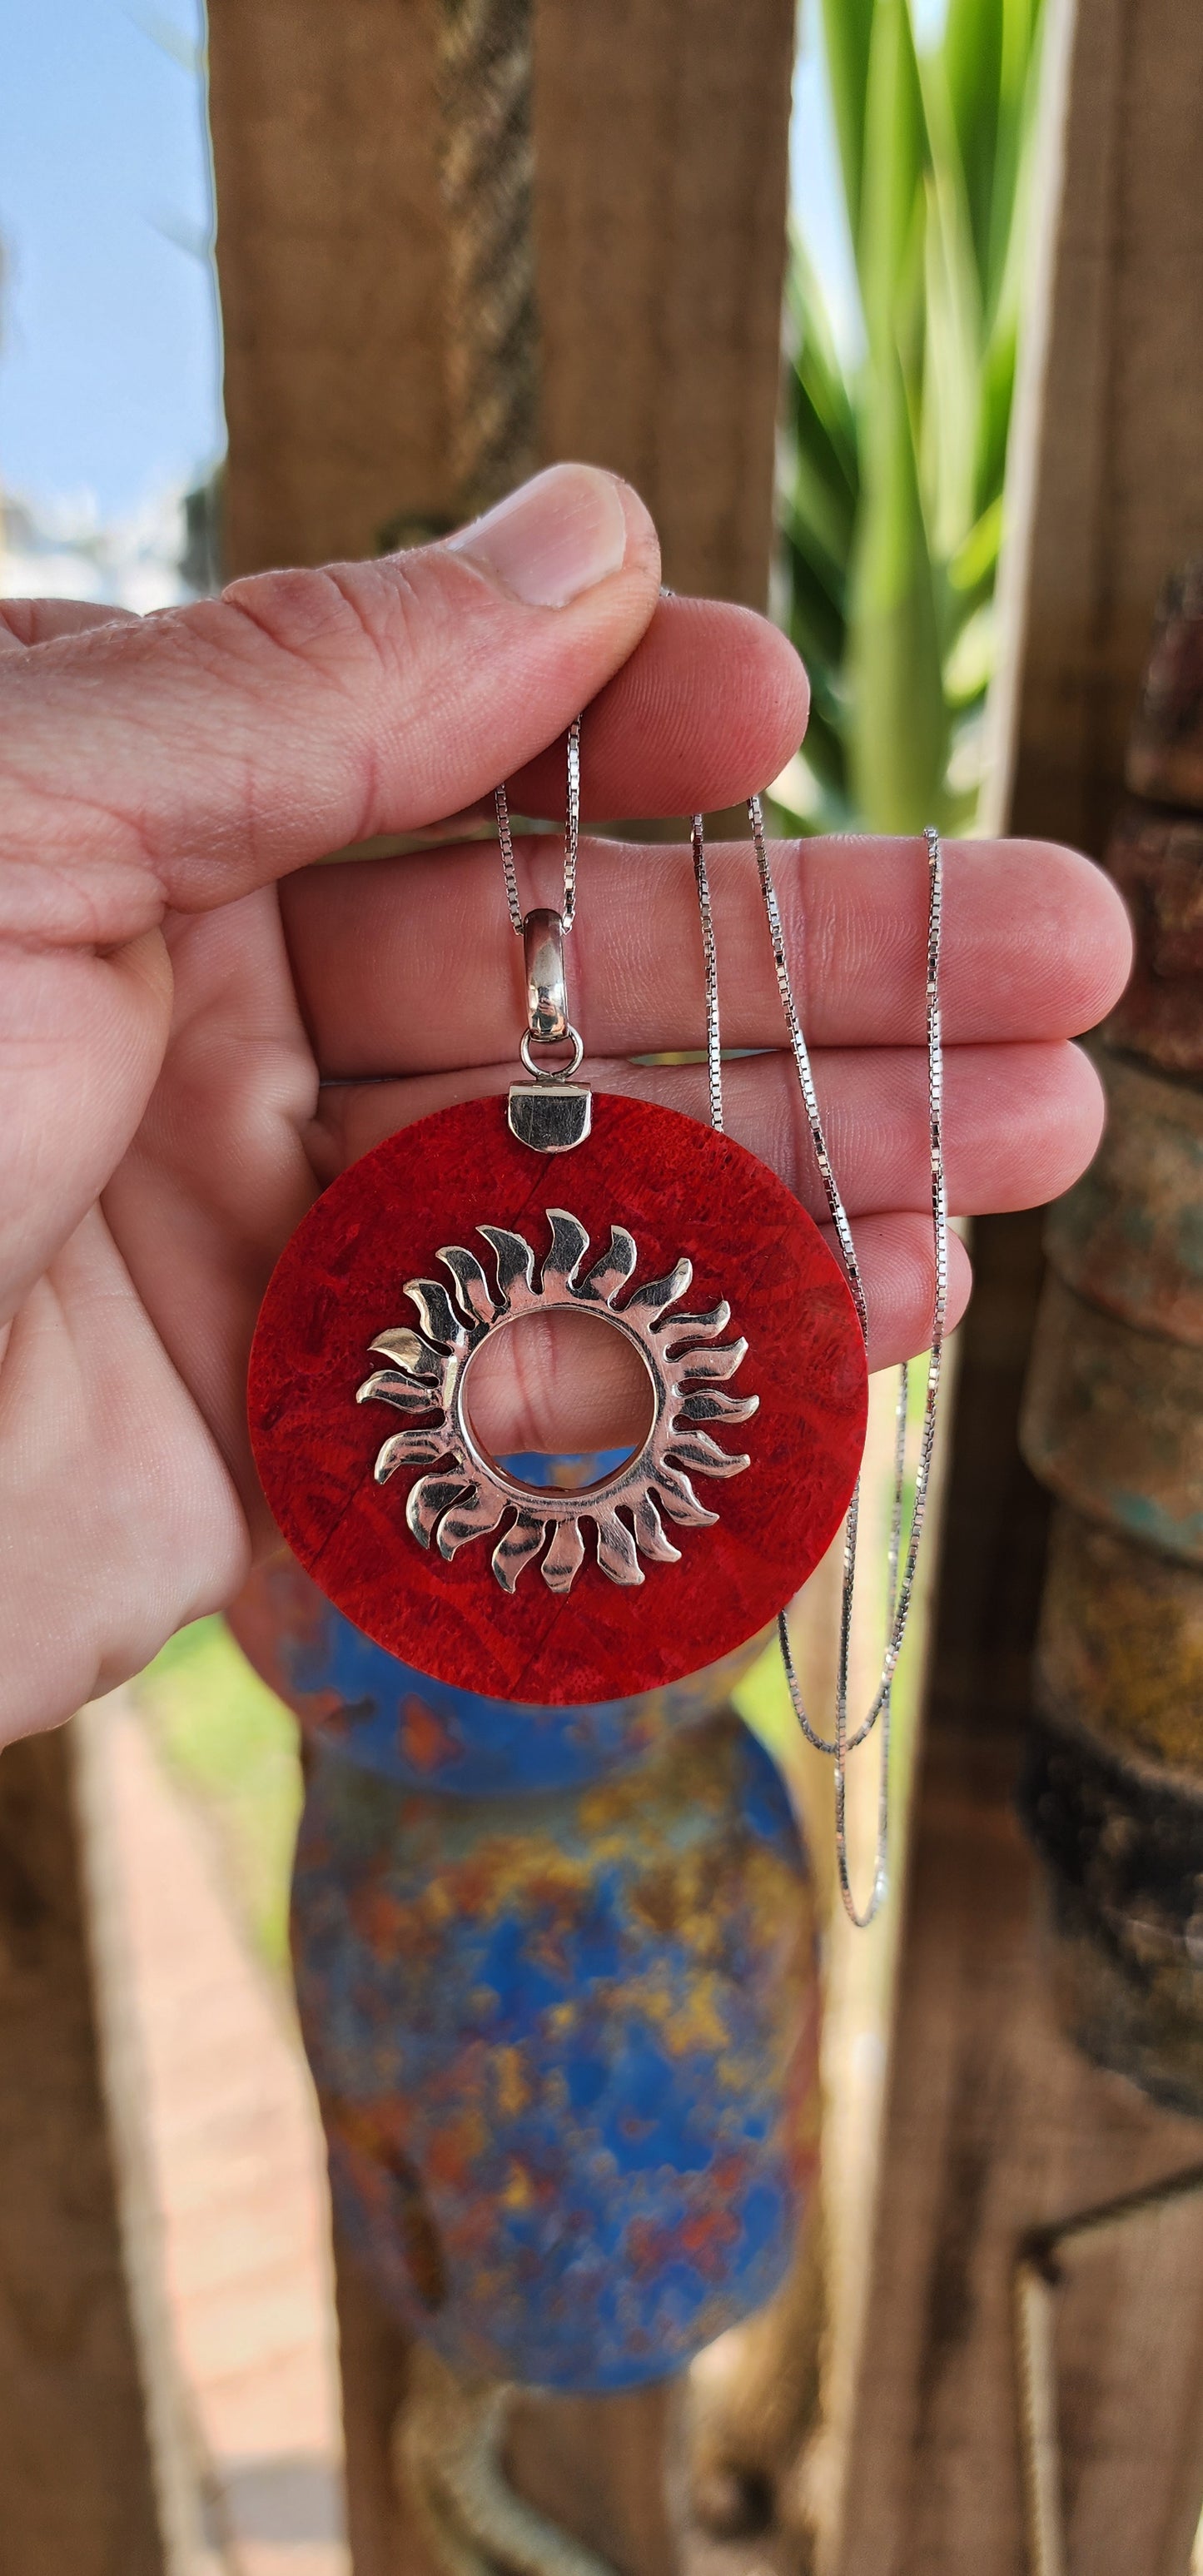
(1040, 2279)
(1113, 1422)
(1129, 1236)
(1123, 1853)
(1165, 751)
(449, 2452)
(1120, 1649)
(1156, 860)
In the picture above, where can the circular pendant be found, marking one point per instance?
(667, 1234)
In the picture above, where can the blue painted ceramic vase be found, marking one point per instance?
(423, 1734)
(566, 2053)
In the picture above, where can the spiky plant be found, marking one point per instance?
(892, 507)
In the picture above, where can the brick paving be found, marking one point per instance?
(240, 2183)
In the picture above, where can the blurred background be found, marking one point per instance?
(958, 475)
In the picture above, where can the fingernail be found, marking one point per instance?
(553, 539)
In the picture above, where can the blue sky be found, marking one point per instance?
(108, 355)
(109, 359)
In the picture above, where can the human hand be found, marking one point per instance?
(199, 1026)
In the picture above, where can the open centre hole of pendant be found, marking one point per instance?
(558, 1401)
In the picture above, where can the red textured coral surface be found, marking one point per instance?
(678, 1188)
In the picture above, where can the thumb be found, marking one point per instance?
(195, 754)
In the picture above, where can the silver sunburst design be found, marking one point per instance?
(428, 1373)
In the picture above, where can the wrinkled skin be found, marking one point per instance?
(199, 1025)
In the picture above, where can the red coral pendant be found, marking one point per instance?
(663, 1230)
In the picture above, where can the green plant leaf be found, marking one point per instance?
(898, 744)
(971, 59)
(893, 473)
(824, 747)
(818, 623)
(816, 501)
(970, 662)
(847, 31)
(995, 396)
(889, 237)
(897, 737)
(1019, 86)
(950, 410)
(823, 415)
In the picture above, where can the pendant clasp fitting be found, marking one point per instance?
(552, 1113)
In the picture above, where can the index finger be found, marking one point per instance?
(708, 709)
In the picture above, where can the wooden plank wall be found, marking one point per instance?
(995, 2122)
(661, 136)
(661, 139)
(325, 144)
(1112, 461)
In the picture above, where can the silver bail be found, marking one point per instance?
(546, 987)
(552, 1113)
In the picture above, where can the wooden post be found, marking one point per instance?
(330, 248)
(661, 137)
(597, 2467)
(1105, 468)
(77, 2475)
(995, 2124)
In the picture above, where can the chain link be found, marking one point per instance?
(901, 1569)
(572, 824)
(714, 1053)
(572, 839)
(900, 1581)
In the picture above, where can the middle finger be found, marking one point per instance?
(409, 965)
